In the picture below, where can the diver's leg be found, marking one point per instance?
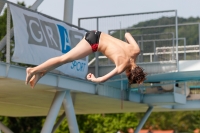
(35, 78)
(81, 50)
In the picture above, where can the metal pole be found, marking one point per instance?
(142, 49)
(70, 114)
(68, 11)
(173, 57)
(154, 47)
(184, 48)
(97, 56)
(120, 33)
(59, 122)
(36, 4)
(79, 22)
(150, 57)
(3, 41)
(185, 84)
(8, 36)
(5, 129)
(53, 112)
(144, 119)
(176, 26)
(199, 40)
(129, 14)
(122, 92)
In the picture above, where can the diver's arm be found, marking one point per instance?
(92, 78)
(132, 41)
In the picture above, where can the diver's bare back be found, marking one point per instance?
(115, 49)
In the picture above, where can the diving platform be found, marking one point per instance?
(56, 93)
(18, 99)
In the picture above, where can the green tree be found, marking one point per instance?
(181, 121)
(102, 123)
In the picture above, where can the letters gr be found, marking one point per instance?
(42, 33)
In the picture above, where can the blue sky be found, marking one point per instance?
(88, 8)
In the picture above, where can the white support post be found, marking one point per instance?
(36, 4)
(58, 122)
(8, 36)
(4, 128)
(144, 119)
(68, 11)
(70, 114)
(53, 112)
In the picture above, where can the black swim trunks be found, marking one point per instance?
(92, 37)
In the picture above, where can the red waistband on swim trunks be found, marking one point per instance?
(94, 47)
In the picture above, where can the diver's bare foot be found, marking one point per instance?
(35, 79)
(29, 75)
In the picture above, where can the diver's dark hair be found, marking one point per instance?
(136, 75)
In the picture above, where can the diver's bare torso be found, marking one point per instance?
(116, 50)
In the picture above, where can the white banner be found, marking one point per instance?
(39, 38)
